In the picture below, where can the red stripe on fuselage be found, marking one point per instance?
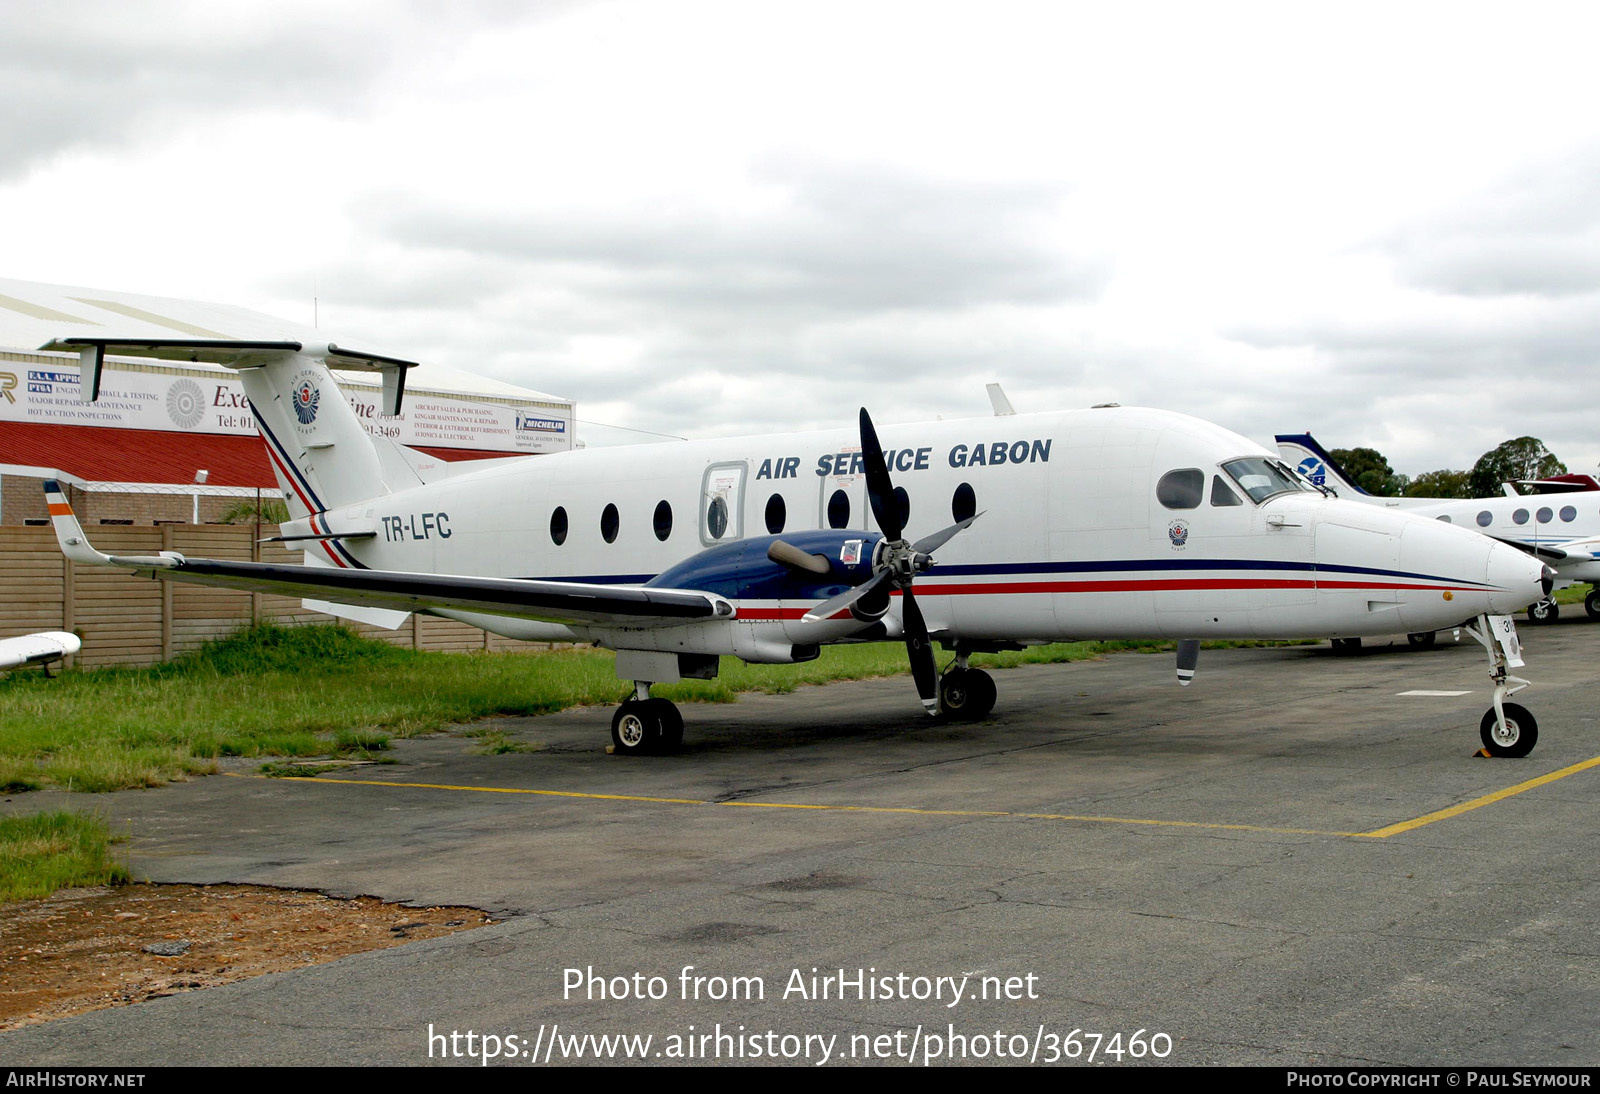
(1014, 588)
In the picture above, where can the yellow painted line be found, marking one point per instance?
(484, 789)
(1092, 819)
(1478, 803)
(1378, 833)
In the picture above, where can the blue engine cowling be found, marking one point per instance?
(741, 570)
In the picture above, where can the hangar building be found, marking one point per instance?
(173, 445)
(172, 442)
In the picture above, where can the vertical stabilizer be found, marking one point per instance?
(320, 451)
(1302, 452)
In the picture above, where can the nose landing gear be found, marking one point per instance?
(1508, 729)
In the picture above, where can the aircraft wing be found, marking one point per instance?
(1576, 550)
(550, 601)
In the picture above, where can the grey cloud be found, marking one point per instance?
(78, 74)
(1536, 233)
(849, 240)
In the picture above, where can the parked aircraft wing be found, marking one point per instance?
(552, 601)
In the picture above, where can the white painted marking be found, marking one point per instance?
(1435, 693)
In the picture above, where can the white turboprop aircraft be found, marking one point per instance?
(37, 649)
(1560, 528)
(1109, 522)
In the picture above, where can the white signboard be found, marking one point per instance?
(217, 404)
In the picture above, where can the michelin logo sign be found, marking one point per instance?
(541, 425)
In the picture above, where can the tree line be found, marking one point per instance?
(1510, 461)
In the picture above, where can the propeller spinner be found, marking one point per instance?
(897, 564)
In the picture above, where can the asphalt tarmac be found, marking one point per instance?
(1268, 867)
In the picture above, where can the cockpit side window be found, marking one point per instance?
(1181, 489)
(1262, 478)
(1222, 493)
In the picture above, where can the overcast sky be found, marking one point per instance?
(1379, 223)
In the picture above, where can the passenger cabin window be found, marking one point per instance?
(902, 506)
(1262, 478)
(717, 517)
(839, 510)
(1444, 517)
(777, 514)
(1485, 519)
(558, 526)
(1222, 493)
(1544, 515)
(1181, 489)
(609, 522)
(1569, 513)
(1520, 517)
(663, 520)
(964, 503)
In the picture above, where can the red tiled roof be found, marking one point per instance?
(99, 454)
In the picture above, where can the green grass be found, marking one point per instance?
(1572, 594)
(307, 691)
(49, 851)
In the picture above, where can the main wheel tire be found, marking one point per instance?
(671, 725)
(1421, 640)
(1518, 738)
(636, 728)
(966, 694)
(1591, 603)
(1545, 611)
(1346, 645)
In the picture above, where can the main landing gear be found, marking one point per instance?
(1591, 603)
(965, 694)
(1508, 729)
(644, 726)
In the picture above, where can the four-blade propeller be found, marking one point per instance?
(897, 564)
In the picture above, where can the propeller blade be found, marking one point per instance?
(920, 650)
(1188, 657)
(880, 488)
(787, 554)
(835, 605)
(929, 544)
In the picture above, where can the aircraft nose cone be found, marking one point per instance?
(1517, 579)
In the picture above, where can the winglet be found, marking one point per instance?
(69, 533)
(75, 545)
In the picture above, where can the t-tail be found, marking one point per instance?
(1302, 452)
(323, 456)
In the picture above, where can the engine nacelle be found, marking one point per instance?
(741, 570)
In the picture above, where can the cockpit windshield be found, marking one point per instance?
(1263, 478)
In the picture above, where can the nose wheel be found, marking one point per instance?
(1514, 737)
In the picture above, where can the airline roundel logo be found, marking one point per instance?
(1314, 469)
(306, 399)
(1178, 533)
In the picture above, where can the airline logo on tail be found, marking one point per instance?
(1314, 469)
(306, 398)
